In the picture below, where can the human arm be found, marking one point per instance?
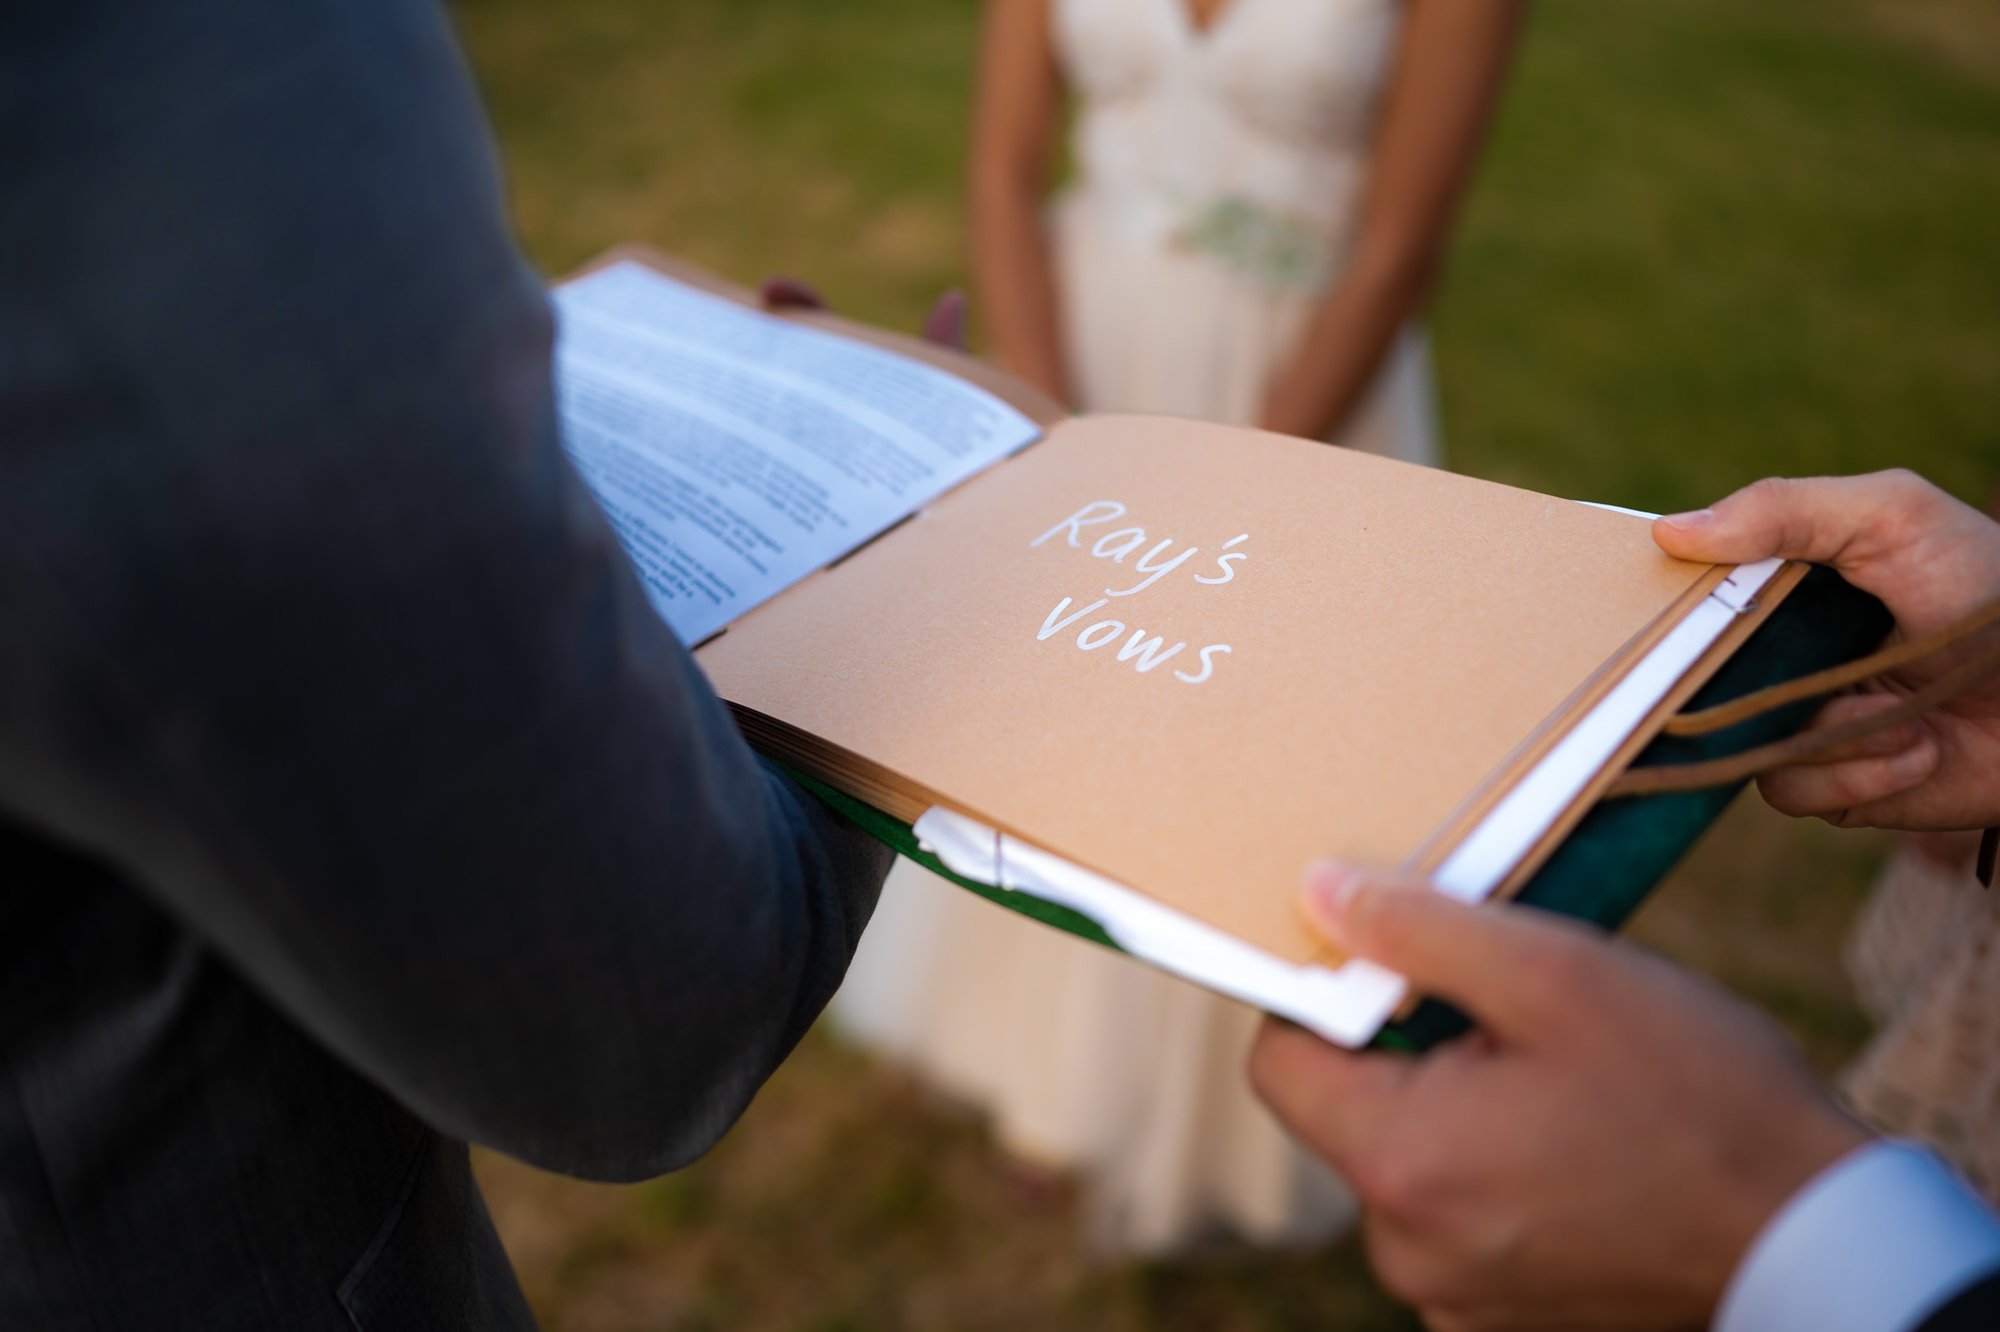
(1609, 1145)
(1016, 116)
(311, 628)
(1451, 62)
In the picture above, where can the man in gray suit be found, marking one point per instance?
(353, 802)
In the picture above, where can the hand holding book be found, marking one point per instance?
(1608, 1145)
(1930, 559)
(944, 325)
(1503, 1175)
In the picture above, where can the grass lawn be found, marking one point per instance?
(1714, 239)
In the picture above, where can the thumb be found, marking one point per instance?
(945, 324)
(1825, 520)
(1520, 973)
(783, 292)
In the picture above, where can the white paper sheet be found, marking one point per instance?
(735, 453)
(1349, 1004)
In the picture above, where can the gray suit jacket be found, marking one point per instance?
(353, 802)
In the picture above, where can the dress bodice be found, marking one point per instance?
(1254, 132)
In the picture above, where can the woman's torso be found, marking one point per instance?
(1251, 133)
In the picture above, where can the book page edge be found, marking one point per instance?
(1348, 1003)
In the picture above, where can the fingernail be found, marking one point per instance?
(1696, 518)
(1330, 888)
(946, 322)
(1912, 765)
(783, 292)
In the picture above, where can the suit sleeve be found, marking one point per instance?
(1975, 1309)
(1886, 1239)
(311, 628)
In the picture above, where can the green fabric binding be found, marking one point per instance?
(898, 836)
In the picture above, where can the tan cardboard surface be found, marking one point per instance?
(1395, 636)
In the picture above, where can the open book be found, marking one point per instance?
(1141, 667)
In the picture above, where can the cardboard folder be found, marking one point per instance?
(1131, 674)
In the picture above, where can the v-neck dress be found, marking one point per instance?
(1219, 174)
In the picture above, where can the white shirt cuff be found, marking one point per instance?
(1877, 1242)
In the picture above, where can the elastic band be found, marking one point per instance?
(1668, 777)
(1671, 777)
(1775, 696)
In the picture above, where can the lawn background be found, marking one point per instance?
(1714, 239)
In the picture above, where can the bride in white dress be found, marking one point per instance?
(1262, 191)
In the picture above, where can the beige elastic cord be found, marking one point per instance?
(1707, 773)
(1761, 701)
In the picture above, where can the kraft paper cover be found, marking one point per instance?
(1396, 636)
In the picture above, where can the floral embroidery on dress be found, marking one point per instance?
(1256, 242)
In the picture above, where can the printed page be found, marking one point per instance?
(735, 452)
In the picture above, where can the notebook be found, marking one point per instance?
(1129, 673)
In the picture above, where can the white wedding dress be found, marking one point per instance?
(1219, 175)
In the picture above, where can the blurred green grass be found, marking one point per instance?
(1714, 239)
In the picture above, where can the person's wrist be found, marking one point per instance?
(1796, 1155)
(1880, 1238)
